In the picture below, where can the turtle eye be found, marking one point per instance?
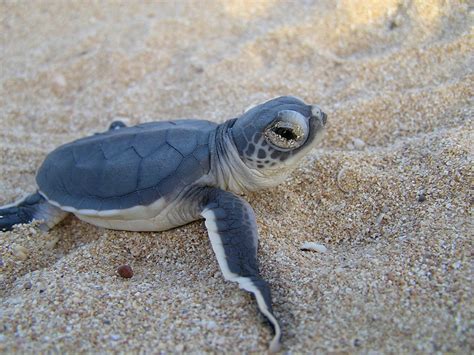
(288, 131)
(285, 133)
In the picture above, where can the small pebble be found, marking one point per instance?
(358, 143)
(211, 325)
(421, 196)
(60, 80)
(52, 243)
(180, 348)
(125, 271)
(27, 285)
(20, 252)
(339, 177)
(314, 247)
(115, 337)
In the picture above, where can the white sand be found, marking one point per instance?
(395, 77)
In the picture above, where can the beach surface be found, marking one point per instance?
(388, 191)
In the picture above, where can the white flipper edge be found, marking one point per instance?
(245, 283)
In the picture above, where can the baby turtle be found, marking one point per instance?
(160, 175)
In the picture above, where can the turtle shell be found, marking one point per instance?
(127, 167)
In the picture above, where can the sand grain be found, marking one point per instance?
(396, 80)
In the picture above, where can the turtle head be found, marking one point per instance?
(271, 138)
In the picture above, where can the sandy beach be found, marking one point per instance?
(388, 191)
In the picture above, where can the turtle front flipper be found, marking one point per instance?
(33, 207)
(232, 229)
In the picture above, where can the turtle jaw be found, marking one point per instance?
(317, 113)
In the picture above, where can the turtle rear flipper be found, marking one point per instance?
(33, 207)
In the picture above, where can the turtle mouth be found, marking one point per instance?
(317, 126)
(324, 118)
(318, 114)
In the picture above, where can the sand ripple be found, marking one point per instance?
(396, 79)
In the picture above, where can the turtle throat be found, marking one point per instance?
(230, 172)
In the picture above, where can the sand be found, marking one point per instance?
(388, 191)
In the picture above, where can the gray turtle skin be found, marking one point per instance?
(160, 175)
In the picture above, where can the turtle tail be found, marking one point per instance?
(32, 207)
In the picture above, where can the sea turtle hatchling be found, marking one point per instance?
(160, 175)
